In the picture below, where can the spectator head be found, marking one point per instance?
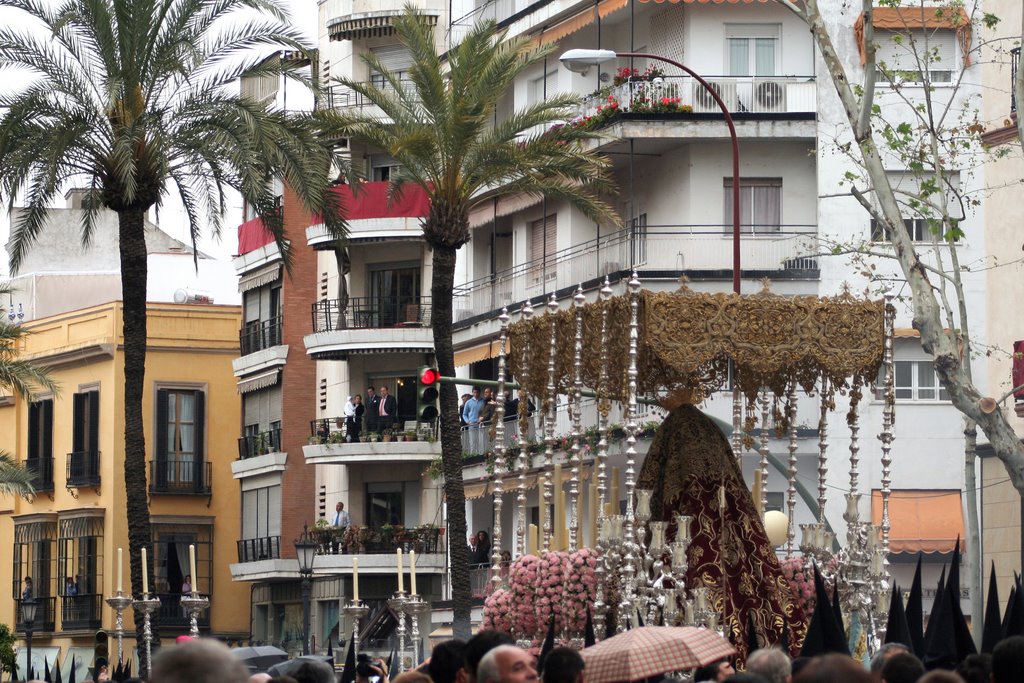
(476, 392)
(261, 677)
(448, 662)
(976, 668)
(482, 537)
(383, 390)
(339, 506)
(506, 664)
(882, 656)
(481, 644)
(1008, 660)
(902, 667)
(357, 399)
(488, 393)
(832, 668)
(563, 665)
(370, 391)
(198, 661)
(313, 671)
(715, 671)
(771, 664)
(466, 397)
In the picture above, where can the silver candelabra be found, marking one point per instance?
(120, 602)
(195, 604)
(399, 602)
(147, 606)
(416, 606)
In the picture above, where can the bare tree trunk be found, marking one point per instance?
(974, 569)
(132, 241)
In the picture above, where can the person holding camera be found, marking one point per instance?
(370, 670)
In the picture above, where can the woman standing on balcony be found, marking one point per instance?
(354, 422)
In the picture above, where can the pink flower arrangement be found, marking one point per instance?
(801, 583)
(498, 610)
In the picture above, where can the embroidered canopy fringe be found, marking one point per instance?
(911, 18)
(687, 339)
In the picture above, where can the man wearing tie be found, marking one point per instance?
(341, 518)
(387, 409)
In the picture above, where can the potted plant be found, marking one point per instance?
(336, 437)
(410, 435)
(373, 437)
(386, 435)
(315, 440)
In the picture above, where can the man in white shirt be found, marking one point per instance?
(341, 518)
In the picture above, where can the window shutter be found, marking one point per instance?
(34, 426)
(94, 421)
(162, 396)
(274, 511)
(78, 423)
(48, 428)
(200, 441)
(395, 58)
(250, 514)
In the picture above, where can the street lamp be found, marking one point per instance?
(305, 551)
(580, 61)
(28, 618)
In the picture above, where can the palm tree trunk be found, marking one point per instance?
(132, 240)
(443, 280)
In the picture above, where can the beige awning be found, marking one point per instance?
(510, 482)
(581, 20)
(486, 211)
(478, 353)
(370, 25)
(259, 277)
(257, 382)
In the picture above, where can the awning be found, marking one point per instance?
(257, 382)
(259, 277)
(510, 482)
(478, 353)
(711, 2)
(915, 18)
(927, 521)
(580, 20)
(369, 25)
(485, 212)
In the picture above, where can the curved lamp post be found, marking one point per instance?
(305, 551)
(580, 61)
(28, 618)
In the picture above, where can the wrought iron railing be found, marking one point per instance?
(255, 549)
(371, 313)
(81, 611)
(1014, 65)
(183, 477)
(83, 468)
(46, 612)
(363, 540)
(653, 247)
(343, 97)
(172, 615)
(42, 469)
(259, 444)
(334, 430)
(259, 335)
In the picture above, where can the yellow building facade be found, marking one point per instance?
(67, 538)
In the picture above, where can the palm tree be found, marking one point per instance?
(132, 100)
(441, 128)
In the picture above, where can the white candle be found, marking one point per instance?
(401, 579)
(533, 540)
(412, 571)
(355, 579)
(192, 565)
(120, 570)
(145, 574)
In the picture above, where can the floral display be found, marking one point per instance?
(801, 583)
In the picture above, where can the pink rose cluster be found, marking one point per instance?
(801, 583)
(498, 609)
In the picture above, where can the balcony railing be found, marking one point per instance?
(255, 549)
(742, 95)
(334, 429)
(46, 612)
(259, 335)
(343, 97)
(83, 469)
(181, 477)
(363, 540)
(1014, 65)
(259, 444)
(172, 615)
(371, 313)
(494, 10)
(42, 469)
(81, 611)
(658, 248)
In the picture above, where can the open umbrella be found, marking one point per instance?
(286, 668)
(645, 651)
(260, 657)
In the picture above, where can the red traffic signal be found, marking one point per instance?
(429, 376)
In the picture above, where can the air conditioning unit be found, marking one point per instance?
(704, 102)
(770, 96)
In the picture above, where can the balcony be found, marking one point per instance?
(491, 10)
(42, 469)
(46, 612)
(81, 612)
(363, 540)
(370, 325)
(259, 444)
(172, 615)
(345, 98)
(259, 335)
(372, 215)
(257, 549)
(179, 477)
(773, 251)
(328, 444)
(83, 469)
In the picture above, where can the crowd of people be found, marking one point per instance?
(476, 415)
(493, 657)
(376, 413)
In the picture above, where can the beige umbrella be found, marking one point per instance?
(650, 650)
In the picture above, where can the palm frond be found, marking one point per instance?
(15, 480)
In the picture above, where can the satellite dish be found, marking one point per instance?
(180, 296)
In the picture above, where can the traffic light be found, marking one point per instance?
(428, 384)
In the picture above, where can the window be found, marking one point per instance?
(543, 244)
(395, 58)
(541, 87)
(261, 512)
(383, 167)
(916, 55)
(384, 503)
(80, 571)
(915, 195)
(915, 380)
(40, 442)
(180, 439)
(34, 556)
(394, 296)
(638, 239)
(171, 566)
(760, 205)
(752, 49)
(83, 461)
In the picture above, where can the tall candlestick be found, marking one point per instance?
(355, 579)
(559, 510)
(401, 579)
(615, 490)
(145, 574)
(412, 571)
(192, 566)
(593, 515)
(120, 570)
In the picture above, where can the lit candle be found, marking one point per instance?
(192, 566)
(412, 571)
(145, 574)
(355, 579)
(120, 570)
(401, 579)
